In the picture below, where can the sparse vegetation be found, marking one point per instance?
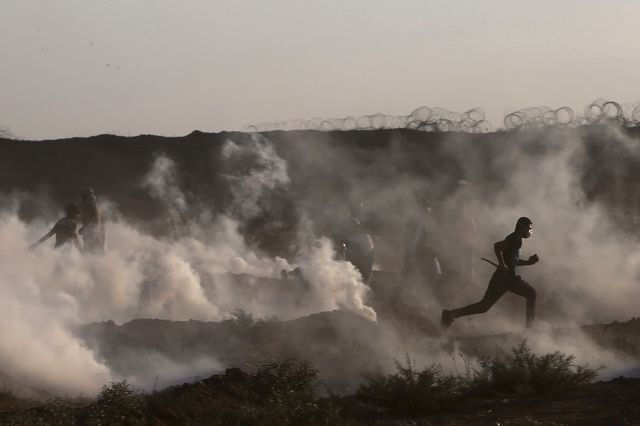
(117, 404)
(278, 393)
(54, 412)
(520, 372)
(287, 393)
(411, 391)
(524, 372)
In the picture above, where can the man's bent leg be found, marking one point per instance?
(524, 289)
(494, 292)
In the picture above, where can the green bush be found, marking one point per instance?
(411, 391)
(284, 381)
(523, 372)
(117, 404)
(277, 393)
(286, 393)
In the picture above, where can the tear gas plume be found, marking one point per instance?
(267, 172)
(194, 276)
(212, 264)
(589, 260)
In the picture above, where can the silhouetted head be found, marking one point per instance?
(88, 194)
(71, 210)
(424, 202)
(524, 227)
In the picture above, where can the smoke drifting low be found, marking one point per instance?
(191, 275)
(217, 256)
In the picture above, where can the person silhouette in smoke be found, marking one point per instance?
(504, 278)
(65, 230)
(92, 230)
(357, 244)
(462, 226)
(420, 256)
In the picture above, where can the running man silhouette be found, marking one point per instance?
(504, 278)
(421, 260)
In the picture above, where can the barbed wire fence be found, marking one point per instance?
(597, 112)
(423, 118)
(429, 119)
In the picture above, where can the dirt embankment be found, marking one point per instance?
(327, 169)
(343, 346)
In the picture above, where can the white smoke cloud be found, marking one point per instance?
(37, 346)
(267, 172)
(336, 283)
(588, 268)
(207, 272)
(162, 184)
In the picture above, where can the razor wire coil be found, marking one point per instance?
(422, 118)
(597, 112)
(430, 119)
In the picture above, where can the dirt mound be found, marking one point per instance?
(342, 345)
(199, 400)
(337, 343)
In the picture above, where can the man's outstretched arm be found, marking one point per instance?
(532, 260)
(44, 238)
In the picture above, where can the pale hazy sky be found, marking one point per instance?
(84, 67)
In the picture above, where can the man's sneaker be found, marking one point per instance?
(447, 319)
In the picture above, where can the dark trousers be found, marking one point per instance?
(500, 283)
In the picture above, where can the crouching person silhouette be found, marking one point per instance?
(504, 278)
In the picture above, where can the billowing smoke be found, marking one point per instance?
(252, 171)
(576, 186)
(589, 266)
(36, 312)
(162, 183)
(206, 271)
(213, 262)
